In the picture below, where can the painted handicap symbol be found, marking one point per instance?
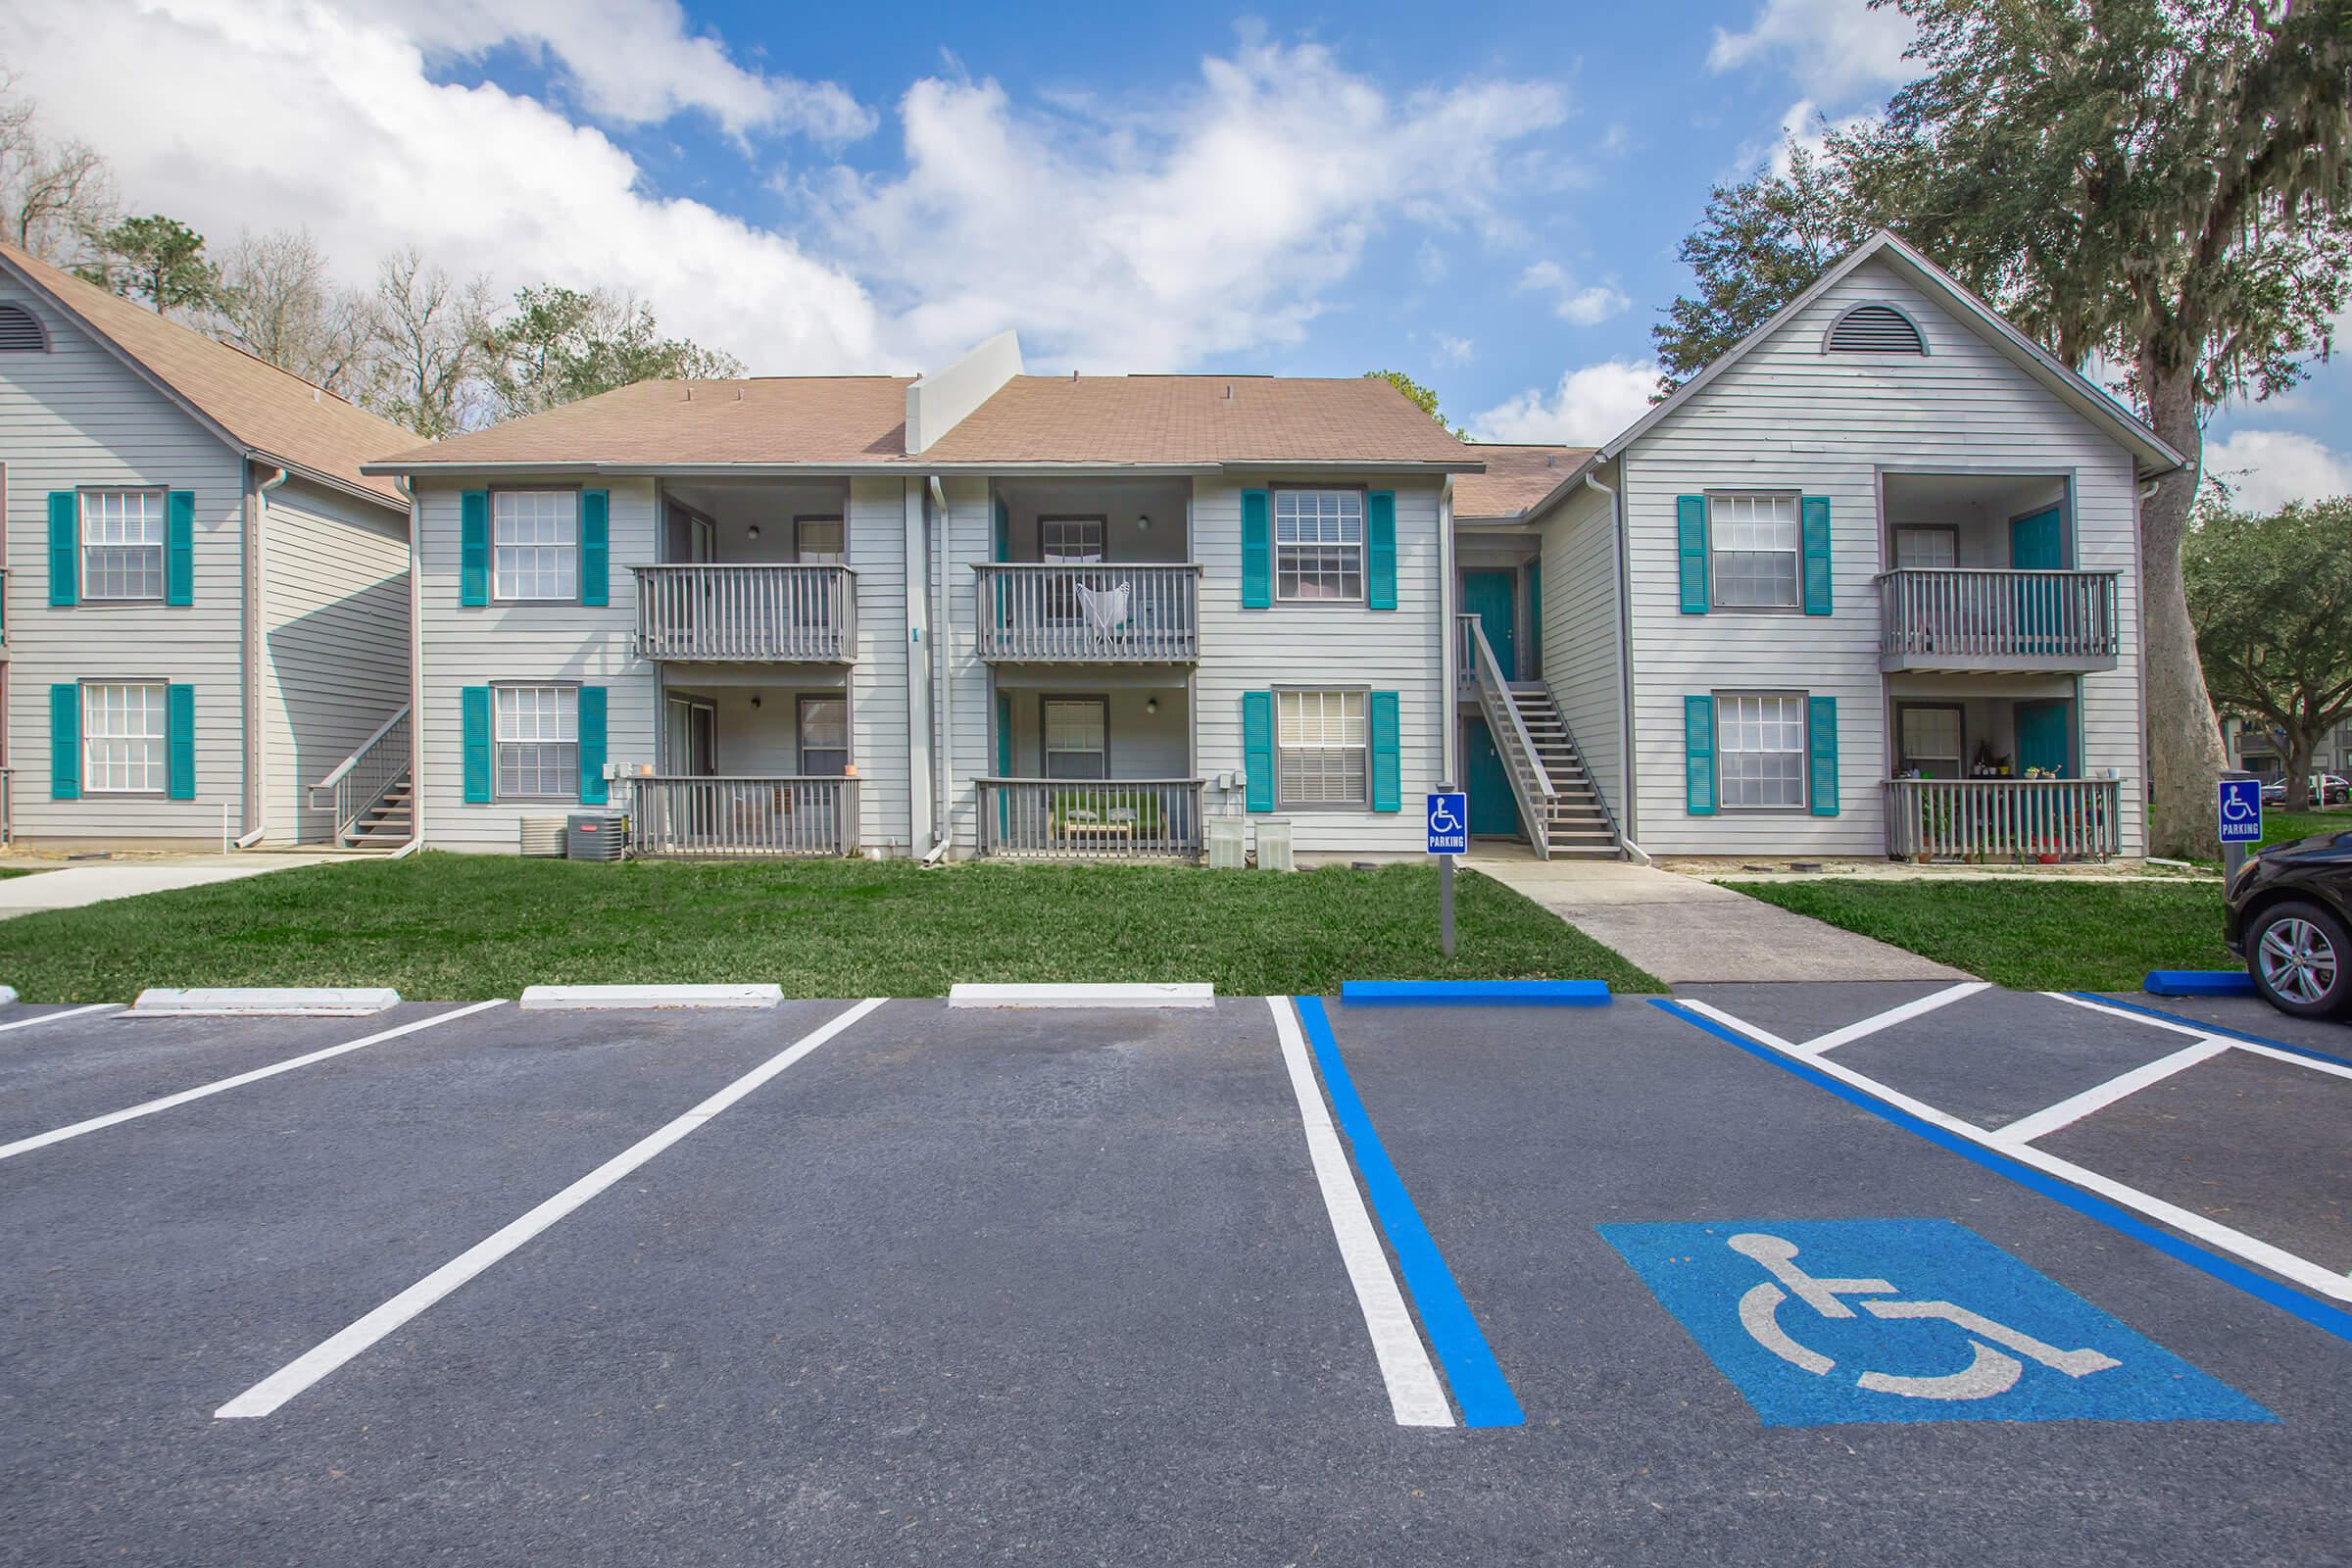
(1991, 1372)
(1822, 1321)
(1442, 820)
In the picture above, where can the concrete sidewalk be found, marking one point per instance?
(84, 882)
(1686, 931)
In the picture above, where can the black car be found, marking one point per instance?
(2289, 917)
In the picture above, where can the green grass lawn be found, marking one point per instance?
(2036, 936)
(464, 927)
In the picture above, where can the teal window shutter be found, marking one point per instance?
(1821, 753)
(1691, 549)
(592, 746)
(596, 547)
(1380, 550)
(473, 553)
(1386, 736)
(1699, 755)
(180, 552)
(65, 743)
(1257, 558)
(474, 704)
(1815, 511)
(180, 742)
(65, 575)
(1258, 749)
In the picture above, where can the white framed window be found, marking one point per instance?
(1319, 544)
(538, 742)
(1322, 750)
(818, 541)
(1077, 731)
(1754, 540)
(1069, 541)
(1931, 738)
(824, 736)
(122, 738)
(122, 543)
(1760, 745)
(535, 544)
(1926, 545)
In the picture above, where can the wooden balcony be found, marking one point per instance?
(2017, 820)
(742, 819)
(1091, 819)
(1104, 614)
(1972, 619)
(770, 613)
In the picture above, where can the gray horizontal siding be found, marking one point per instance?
(877, 552)
(1583, 636)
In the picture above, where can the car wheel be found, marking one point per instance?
(2301, 961)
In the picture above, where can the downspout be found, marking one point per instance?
(256, 610)
(1448, 637)
(1629, 820)
(416, 841)
(943, 680)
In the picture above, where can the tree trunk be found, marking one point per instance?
(2184, 743)
(2300, 744)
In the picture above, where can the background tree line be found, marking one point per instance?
(418, 345)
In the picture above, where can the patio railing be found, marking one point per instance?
(742, 817)
(1106, 615)
(775, 612)
(2003, 818)
(1091, 819)
(1969, 617)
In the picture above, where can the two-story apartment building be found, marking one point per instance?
(205, 600)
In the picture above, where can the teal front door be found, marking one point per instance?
(2045, 737)
(1493, 813)
(2037, 543)
(1492, 597)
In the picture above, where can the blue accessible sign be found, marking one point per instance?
(1894, 1320)
(1449, 824)
(2240, 810)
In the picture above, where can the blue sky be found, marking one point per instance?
(1487, 199)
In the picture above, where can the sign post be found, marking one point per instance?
(1449, 813)
(2239, 816)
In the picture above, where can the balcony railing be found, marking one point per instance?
(2003, 818)
(743, 818)
(1110, 615)
(1089, 819)
(1971, 618)
(771, 611)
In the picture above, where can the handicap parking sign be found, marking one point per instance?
(1449, 824)
(2241, 810)
(1896, 1320)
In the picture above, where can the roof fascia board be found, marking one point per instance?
(903, 466)
(304, 472)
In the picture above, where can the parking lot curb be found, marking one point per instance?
(2198, 983)
(1176, 993)
(549, 999)
(1475, 992)
(281, 1002)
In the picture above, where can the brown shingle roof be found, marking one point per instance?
(1516, 477)
(276, 415)
(842, 420)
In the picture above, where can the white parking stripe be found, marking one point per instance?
(2252, 1047)
(2301, 1270)
(26, 1146)
(1891, 1016)
(325, 1357)
(52, 1017)
(2099, 1097)
(1415, 1396)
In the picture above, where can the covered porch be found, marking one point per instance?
(1984, 773)
(1100, 769)
(1090, 571)
(1982, 573)
(753, 572)
(747, 768)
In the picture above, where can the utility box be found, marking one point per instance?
(595, 835)
(1274, 846)
(1228, 843)
(543, 837)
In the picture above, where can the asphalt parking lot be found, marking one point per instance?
(1268, 1283)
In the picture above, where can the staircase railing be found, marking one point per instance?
(1600, 796)
(362, 779)
(1531, 785)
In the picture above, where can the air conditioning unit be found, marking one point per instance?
(595, 835)
(1274, 846)
(543, 837)
(1228, 843)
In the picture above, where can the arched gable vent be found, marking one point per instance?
(1876, 329)
(20, 330)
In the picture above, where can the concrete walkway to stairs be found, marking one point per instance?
(81, 882)
(1686, 931)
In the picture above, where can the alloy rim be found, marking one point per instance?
(2297, 960)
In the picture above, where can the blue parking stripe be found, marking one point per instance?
(1478, 1383)
(2227, 1270)
(2214, 1028)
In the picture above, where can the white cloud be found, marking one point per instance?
(1588, 306)
(1455, 350)
(2265, 470)
(1802, 125)
(1834, 49)
(1587, 407)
